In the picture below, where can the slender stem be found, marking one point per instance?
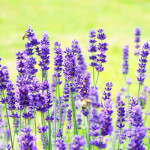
(93, 76)
(88, 130)
(73, 112)
(60, 108)
(55, 111)
(139, 86)
(49, 125)
(8, 122)
(97, 78)
(42, 120)
(147, 109)
(35, 122)
(119, 139)
(20, 119)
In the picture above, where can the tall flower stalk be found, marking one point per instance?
(142, 67)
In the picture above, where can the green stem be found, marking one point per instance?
(97, 79)
(20, 120)
(35, 122)
(49, 125)
(93, 77)
(74, 113)
(55, 111)
(119, 139)
(139, 86)
(88, 130)
(43, 133)
(8, 122)
(147, 109)
(60, 108)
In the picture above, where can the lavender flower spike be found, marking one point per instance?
(125, 65)
(137, 41)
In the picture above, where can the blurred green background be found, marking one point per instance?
(66, 20)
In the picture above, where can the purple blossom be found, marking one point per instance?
(78, 143)
(142, 63)
(27, 140)
(60, 144)
(101, 48)
(32, 41)
(120, 112)
(137, 41)
(125, 65)
(42, 129)
(92, 47)
(44, 52)
(107, 91)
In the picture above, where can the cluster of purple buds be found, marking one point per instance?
(69, 118)
(93, 96)
(92, 47)
(101, 48)
(125, 65)
(142, 63)
(58, 60)
(10, 96)
(60, 144)
(138, 132)
(44, 52)
(120, 111)
(4, 78)
(42, 129)
(107, 91)
(78, 143)
(27, 140)
(85, 86)
(70, 65)
(137, 41)
(33, 42)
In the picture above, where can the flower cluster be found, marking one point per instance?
(142, 63)
(125, 65)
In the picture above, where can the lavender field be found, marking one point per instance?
(74, 75)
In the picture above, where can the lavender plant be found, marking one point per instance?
(40, 106)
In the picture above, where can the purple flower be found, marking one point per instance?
(135, 118)
(32, 41)
(128, 81)
(66, 92)
(85, 86)
(10, 96)
(79, 121)
(59, 133)
(136, 138)
(142, 63)
(42, 129)
(107, 93)
(4, 77)
(125, 65)
(92, 47)
(137, 132)
(60, 144)
(69, 118)
(44, 52)
(101, 48)
(27, 140)
(58, 60)
(77, 143)
(69, 64)
(93, 96)
(120, 112)
(137, 41)
(75, 47)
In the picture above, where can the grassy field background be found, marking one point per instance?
(66, 20)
